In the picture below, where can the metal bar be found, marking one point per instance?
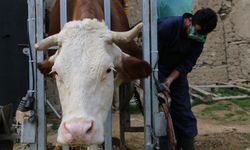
(53, 109)
(108, 125)
(147, 82)
(124, 110)
(63, 12)
(32, 39)
(32, 29)
(107, 13)
(63, 20)
(41, 125)
(154, 59)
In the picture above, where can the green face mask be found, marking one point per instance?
(192, 34)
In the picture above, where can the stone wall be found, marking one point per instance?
(226, 53)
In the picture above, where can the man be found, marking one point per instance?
(180, 43)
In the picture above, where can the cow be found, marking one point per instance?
(90, 62)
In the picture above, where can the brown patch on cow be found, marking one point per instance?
(45, 66)
(133, 68)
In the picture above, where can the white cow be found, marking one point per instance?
(84, 69)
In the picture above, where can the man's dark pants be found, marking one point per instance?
(183, 118)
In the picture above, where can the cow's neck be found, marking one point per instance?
(88, 9)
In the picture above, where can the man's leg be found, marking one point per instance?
(185, 143)
(164, 143)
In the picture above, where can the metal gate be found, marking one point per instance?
(36, 30)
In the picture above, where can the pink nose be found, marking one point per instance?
(78, 131)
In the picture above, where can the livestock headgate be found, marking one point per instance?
(36, 137)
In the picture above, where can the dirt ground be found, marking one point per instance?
(218, 130)
(221, 134)
(212, 136)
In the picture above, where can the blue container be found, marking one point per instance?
(173, 7)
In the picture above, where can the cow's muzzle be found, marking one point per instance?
(78, 132)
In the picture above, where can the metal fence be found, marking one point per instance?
(36, 15)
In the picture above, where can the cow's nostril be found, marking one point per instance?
(90, 128)
(66, 127)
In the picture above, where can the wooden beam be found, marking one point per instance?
(199, 97)
(216, 86)
(231, 97)
(207, 95)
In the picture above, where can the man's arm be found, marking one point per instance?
(190, 60)
(186, 66)
(174, 75)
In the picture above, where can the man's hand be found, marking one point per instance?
(167, 83)
(174, 75)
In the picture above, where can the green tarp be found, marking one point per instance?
(173, 7)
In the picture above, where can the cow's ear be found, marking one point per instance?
(132, 68)
(45, 66)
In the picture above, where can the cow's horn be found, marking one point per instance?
(128, 36)
(47, 42)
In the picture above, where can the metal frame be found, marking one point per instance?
(41, 126)
(32, 38)
(147, 82)
(36, 28)
(36, 33)
(63, 20)
(153, 126)
(150, 49)
(108, 125)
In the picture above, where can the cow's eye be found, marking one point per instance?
(108, 70)
(53, 73)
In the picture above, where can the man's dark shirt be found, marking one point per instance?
(176, 50)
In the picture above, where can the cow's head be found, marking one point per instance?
(84, 69)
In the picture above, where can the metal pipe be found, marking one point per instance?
(154, 59)
(53, 109)
(63, 13)
(32, 38)
(40, 101)
(108, 125)
(147, 81)
(63, 20)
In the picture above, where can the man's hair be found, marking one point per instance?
(206, 18)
